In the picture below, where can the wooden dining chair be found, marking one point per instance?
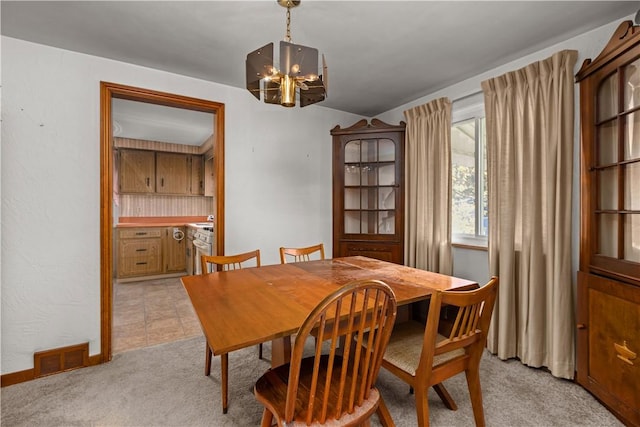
(228, 262)
(301, 254)
(451, 343)
(225, 263)
(337, 387)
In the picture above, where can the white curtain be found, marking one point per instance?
(530, 118)
(428, 187)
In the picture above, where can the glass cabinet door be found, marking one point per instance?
(370, 186)
(617, 167)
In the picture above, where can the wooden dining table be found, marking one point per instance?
(246, 307)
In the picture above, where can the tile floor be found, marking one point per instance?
(151, 312)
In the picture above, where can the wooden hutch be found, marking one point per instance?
(608, 318)
(368, 190)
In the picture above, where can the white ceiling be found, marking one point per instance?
(151, 122)
(380, 54)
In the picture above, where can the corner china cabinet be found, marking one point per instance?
(368, 190)
(608, 318)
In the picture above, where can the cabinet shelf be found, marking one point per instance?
(391, 211)
(370, 163)
(372, 186)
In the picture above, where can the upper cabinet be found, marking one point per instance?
(137, 171)
(158, 172)
(209, 177)
(608, 318)
(197, 175)
(368, 190)
(173, 175)
(610, 118)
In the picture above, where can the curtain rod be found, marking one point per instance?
(469, 95)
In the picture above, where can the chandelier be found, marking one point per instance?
(297, 71)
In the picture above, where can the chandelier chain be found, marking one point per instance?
(288, 36)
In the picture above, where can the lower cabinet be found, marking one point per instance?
(387, 251)
(609, 343)
(175, 250)
(150, 251)
(139, 252)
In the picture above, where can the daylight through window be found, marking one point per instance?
(469, 182)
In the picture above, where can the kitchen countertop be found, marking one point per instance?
(158, 221)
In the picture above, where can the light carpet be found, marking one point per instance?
(165, 386)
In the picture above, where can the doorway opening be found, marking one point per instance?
(109, 92)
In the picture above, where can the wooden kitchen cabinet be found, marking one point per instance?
(151, 251)
(368, 190)
(139, 252)
(166, 173)
(197, 175)
(174, 249)
(137, 171)
(209, 177)
(608, 317)
(173, 175)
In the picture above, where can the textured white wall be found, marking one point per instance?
(278, 186)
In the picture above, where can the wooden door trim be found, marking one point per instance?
(108, 91)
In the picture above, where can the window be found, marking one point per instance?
(469, 208)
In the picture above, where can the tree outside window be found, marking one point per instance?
(469, 181)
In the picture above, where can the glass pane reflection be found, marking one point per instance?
(387, 198)
(369, 150)
(387, 175)
(367, 199)
(351, 175)
(352, 222)
(352, 151)
(632, 85)
(632, 237)
(608, 235)
(368, 175)
(608, 97)
(608, 188)
(367, 221)
(387, 223)
(608, 143)
(352, 198)
(632, 137)
(387, 150)
(632, 186)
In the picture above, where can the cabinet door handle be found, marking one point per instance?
(141, 263)
(141, 233)
(147, 181)
(625, 353)
(161, 182)
(141, 250)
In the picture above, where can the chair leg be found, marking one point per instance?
(267, 418)
(446, 398)
(475, 393)
(260, 351)
(224, 364)
(207, 360)
(422, 406)
(384, 415)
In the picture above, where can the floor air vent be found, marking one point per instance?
(60, 359)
